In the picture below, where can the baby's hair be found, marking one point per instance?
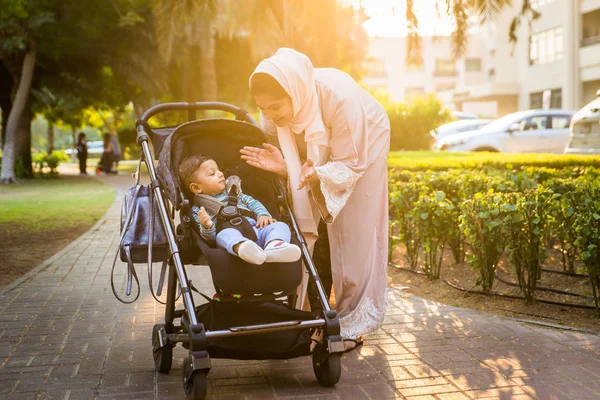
(262, 83)
(188, 166)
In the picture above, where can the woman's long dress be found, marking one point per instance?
(355, 186)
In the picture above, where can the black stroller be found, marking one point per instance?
(260, 322)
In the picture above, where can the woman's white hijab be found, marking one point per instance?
(295, 73)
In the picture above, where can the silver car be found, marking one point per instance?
(459, 126)
(531, 131)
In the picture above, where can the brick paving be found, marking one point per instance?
(64, 336)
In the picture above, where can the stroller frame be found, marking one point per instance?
(326, 355)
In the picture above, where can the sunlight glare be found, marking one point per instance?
(388, 17)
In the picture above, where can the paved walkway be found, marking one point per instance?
(64, 336)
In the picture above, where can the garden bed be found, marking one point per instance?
(463, 276)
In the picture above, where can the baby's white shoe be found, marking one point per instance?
(280, 251)
(251, 253)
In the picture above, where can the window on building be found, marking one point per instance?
(414, 91)
(590, 29)
(561, 121)
(376, 68)
(546, 47)
(535, 4)
(445, 67)
(536, 99)
(444, 86)
(415, 67)
(473, 64)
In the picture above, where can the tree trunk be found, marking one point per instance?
(23, 141)
(206, 54)
(5, 102)
(9, 148)
(5, 106)
(50, 131)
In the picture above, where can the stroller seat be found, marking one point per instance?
(222, 142)
(262, 328)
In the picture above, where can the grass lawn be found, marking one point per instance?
(41, 216)
(43, 204)
(420, 160)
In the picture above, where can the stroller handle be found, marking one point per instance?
(191, 108)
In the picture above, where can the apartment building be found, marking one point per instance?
(387, 69)
(558, 52)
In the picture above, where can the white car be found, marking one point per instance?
(460, 115)
(531, 131)
(585, 129)
(460, 126)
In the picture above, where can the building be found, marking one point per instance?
(387, 69)
(558, 52)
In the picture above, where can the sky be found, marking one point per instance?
(388, 18)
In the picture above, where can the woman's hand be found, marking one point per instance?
(308, 174)
(264, 220)
(269, 159)
(204, 218)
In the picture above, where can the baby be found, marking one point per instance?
(202, 176)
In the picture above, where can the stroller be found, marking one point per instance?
(260, 321)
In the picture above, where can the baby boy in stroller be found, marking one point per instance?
(267, 241)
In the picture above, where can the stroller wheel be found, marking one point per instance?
(194, 382)
(163, 356)
(327, 366)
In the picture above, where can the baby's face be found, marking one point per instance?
(208, 179)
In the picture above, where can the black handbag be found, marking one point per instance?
(142, 239)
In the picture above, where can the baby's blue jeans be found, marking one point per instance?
(229, 237)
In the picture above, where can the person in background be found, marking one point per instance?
(82, 153)
(116, 152)
(107, 155)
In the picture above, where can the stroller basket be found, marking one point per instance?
(256, 326)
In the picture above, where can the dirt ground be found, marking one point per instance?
(462, 275)
(21, 251)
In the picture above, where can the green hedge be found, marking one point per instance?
(518, 211)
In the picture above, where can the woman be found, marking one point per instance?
(335, 141)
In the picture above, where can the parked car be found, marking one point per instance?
(584, 131)
(95, 149)
(460, 115)
(531, 131)
(451, 128)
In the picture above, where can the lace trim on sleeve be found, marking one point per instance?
(337, 184)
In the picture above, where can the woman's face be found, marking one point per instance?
(280, 111)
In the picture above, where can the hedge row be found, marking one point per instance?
(518, 212)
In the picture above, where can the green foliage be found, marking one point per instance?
(482, 220)
(434, 213)
(403, 196)
(528, 220)
(587, 228)
(51, 161)
(496, 211)
(412, 121)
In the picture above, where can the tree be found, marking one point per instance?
(54, 38)
(459, 12)
(20, 28)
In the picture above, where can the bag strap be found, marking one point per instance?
(130, 268)
(150, 245)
